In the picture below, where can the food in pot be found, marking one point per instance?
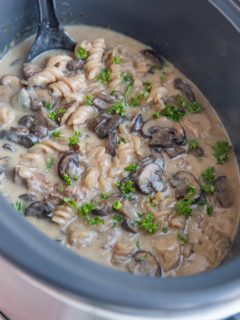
(114, 153)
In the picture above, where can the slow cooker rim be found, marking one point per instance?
(63, 269)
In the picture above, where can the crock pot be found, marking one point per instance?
(39, 279)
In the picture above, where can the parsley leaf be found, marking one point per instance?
(71, 202)
(221, 151)
(182, 238)
(148, 224)
(82, 53)
(156, 114)
(87, 208)
(165, 229)
(131, 167)
(20, 206)
(118, 59)
(192, 107)
(105, 76)
(47, 105)
(183, 206)
(173, 113)
(57, 134)
(117, 218)
(95, 220)
(73, 140)
(89, 99)
(67, 179)
(193, 144)
(208, 177)
(127, 79)
(117, 205)
(105, 196)
(209, 210)
(118, 107)
(50, 163)
(127, 188)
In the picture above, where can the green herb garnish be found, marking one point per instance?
(118, 60)
(182, 238)
(152, 201)
(122, 140)
(72, 203)
(127, 188)
(105, 76)
(131, 167)
(50, 163)
(67, 179)
(105, 196)
(118, 107)
(221, 151)
(209, 210)
(73, 140)
(208, 177)
(156, 114)
(193, 144)
(20, 206)
(87, 208)
(165, 229)
(136, 100)
(128, 80)
(61, 189)
(82, 53)
(173, 113)
(183, 206)
(117, 205)
(89, 99)
(95, 220)
(55, 115)
(47, 105)
(148, 224)
(57, 134)
(192, 107)
(147, 89)
(117, 218)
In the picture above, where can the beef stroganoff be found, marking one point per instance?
(113, 153)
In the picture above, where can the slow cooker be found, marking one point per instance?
(39, 279)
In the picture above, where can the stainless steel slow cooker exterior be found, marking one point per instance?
(40, 279)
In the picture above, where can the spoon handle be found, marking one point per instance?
(47, 13)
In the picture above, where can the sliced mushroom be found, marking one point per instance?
(150, 179)
(129, 225)
(103, 101)
(70, 165)
(224, 194)
(153, 158)
(75, 65)
(26, 121)
(30, 69)
(25, 139)
(3, 167)
(154, 56)
(39, 209)
(112, 143)
(181, 182)
(197, 152)
(9, 147)
(28, 197)
(144, 263)
(138, 123)
(39, 130)
(185, 88)
(164, 133)
(105, 208)
(107, 125)
(43, 119)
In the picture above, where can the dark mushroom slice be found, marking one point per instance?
(42, 119)
(185, 89)
(197, 152)
(103, 101)
(181, 181)
(9, 147)
(150, 179)
(26, 121)
(153, 158)
(39, 130)
(176, 151)
(106, 126)
(223, 192)
(112, 143)
(70, 165)
(145, 264)
(39, 209)
(17, 136)
(105, 208)
(138, 123)
(28, 197)
(30, 69)
(75, 65)
(129, 225)
(164, 133)
(154, 56)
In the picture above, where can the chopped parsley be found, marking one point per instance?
(95, 220)
(61, 189)
(182, 238)
(183, 206)
(47, 105)
(209, 210)
(127, 79)
(118, 60)
(136, 100)
(89, 99)
(105, 196)
(117, 205)
(105, 76)
(87, 208)
(193, 144)
(148, 224)
(67, 179)
(131, 167)
(55, 115)
(191, 107)
(57, 134)
(172, 113)
(82, 53)
(117, 218)
(118, 107)
(221, 151)
(73, 140)
(152, 201)
(50, 163)
(165, 229)
(156, 114)
(20, 206)
(208, 177)
(127, 188)
(73, 204)
(147, 89)
(163, 76)
(122, 140)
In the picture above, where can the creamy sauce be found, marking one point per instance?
(180, 245)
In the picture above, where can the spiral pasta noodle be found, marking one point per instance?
(62, 214)
(94, 63)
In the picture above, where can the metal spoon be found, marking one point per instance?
(51, 34)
